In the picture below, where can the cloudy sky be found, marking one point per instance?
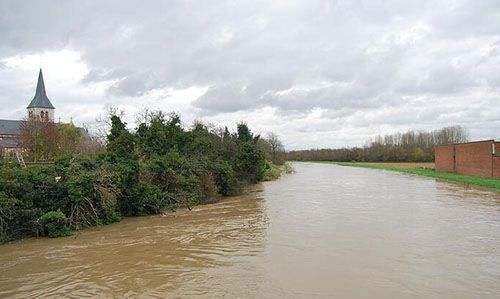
(318, 73)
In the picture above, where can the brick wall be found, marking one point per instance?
(445, 161)
(496, 167)
(496, 161)
(474, 158)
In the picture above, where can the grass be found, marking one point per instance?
(485, 182)
(405, 164)
(271, 172)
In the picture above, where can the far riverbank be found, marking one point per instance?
(425, 170)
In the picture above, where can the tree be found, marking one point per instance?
(277, 151)
(244, 134)
(398, 147)
(250, 162)
(71, 138)
(40, 138)
(121, 145)
(419, 155)
(160, 165)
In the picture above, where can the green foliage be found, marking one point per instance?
(250, 162)
(244, 134)
(121, 143)
(161, 134)
(71, 138)
(157, 167)
(144, 199)
(17, 218)
(71, 132)
(225, 178)
(89, 191)
(271, 171)
(55, 224)
(419, 155)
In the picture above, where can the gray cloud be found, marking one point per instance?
(350, 59)
(227, 98)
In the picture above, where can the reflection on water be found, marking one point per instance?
(325, 231)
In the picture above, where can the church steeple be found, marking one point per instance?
(40, 100)
(40, 106)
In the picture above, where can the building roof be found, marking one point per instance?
(468, 142)
(10, 127)
(9, 142)
(13, 127)
(40, 100)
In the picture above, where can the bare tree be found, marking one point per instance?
(40, 138)
(103, 123)
(272, 145)
(452, 134)
(404, 146)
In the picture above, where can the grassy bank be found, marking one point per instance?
(273, 172)
(485, 182)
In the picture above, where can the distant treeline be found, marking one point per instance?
(158, 166)
(410, 146)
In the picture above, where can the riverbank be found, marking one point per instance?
(415, 169)
(273, 172)
(158, 166)
(270, 173)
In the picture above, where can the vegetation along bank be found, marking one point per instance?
(484, 182)
(407, 146)
(158, 166)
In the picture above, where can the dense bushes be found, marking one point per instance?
(55, 224)
(158, 166)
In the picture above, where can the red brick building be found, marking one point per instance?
(481, 158)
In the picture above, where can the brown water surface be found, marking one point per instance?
(326, 231)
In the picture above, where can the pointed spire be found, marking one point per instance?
(40, 100)
(40, 85)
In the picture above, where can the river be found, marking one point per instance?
(325, 231)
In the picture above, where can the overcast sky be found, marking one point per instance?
(317, 73)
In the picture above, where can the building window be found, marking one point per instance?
(30, 114)
(42, 114)
(46, 115)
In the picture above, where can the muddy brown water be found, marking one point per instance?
(326, 231)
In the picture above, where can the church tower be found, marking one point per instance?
(40, 107)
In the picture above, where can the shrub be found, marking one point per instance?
(225, 178)
(271, 171)
(207, 187)
(159, 166)
(145, 199)
(55, 224)
(250, 162)
(419, 155)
